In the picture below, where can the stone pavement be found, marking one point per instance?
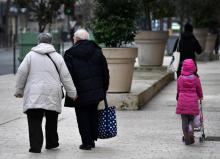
(152, 132)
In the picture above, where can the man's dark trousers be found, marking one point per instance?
(87, 119)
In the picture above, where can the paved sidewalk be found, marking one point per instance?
(152, 132)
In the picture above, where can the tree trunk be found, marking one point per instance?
(49, 27)
(161, 24)
(41, 27)
(169, 23)
(181, 23)
(149, 21)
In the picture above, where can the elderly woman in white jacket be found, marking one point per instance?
(39, 83)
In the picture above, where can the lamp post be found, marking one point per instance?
(14, 12)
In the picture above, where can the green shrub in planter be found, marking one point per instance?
(205, 13)
(114, 26)
(114, 22)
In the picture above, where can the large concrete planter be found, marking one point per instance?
(201, 34)
(210, 43)
(121, 66)
(151, 47)
(207, 54)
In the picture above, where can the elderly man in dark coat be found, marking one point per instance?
(88, 68)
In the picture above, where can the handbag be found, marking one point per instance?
(174, 63)
(58, 73)
(107, 125)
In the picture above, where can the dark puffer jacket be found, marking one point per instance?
(188, 46)
(88, 68)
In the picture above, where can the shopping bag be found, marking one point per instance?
(107, 125)
(174, 63)
(197, 121)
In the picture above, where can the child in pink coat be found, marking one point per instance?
(189, 92)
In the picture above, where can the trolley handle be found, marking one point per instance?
(200, 103)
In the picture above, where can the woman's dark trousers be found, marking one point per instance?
(35, 117)
(87, 119)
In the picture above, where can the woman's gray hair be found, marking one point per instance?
(82, 34)
(45, 38)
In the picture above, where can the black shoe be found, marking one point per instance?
(192, 140)
(34, 150)
(52, 146)
(85, 147)
(189, 142)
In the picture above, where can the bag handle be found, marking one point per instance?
(57, 72)
(178, 44)
(106, 103)
(53, 63)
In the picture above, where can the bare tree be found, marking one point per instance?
(43, 10)
(86, 11)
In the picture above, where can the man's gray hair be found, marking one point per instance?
(82, 34)
(45, 38)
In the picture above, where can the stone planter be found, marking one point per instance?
(207, 54)
(210, 43)
(151, 47)
(201, 34)
(121, 66)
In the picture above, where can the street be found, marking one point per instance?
(152, 132)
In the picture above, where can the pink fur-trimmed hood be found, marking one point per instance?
(188, 67)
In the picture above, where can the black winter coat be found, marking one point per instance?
(188, 46)
(88, 68)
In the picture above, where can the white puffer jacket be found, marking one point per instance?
(39, 82)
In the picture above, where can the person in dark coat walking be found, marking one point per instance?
(88, 68)
(188, 46)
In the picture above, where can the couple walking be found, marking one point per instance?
(39, 80)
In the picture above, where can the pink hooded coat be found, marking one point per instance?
(189, 90)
